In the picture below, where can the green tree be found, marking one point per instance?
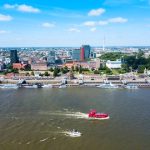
(96, 72)
(141, 69)
(58, 70)
(28, 67)
(27, 74)
(9, 66)
(111, 56)
(108, 71)
(51, 69)
(80, 69)
(76, 68)
(55, 73)
(72, 68)
(15, 70)
(22, 69)
(32, 73)
(41, 75)
(64, 70)
(5, 72)
(85, 69)
(125, 67)
(46, 73)
(140, 53)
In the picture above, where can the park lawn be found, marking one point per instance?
(115, 71)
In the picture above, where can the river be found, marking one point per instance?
(36, 119)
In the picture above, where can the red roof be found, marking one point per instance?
(18, 66)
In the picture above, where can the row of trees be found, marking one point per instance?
(111, 56)
(137, 61)
(57, 71)
(103, 70)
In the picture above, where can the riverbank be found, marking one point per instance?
(84, 83)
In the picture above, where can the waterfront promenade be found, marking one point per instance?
(141, 82)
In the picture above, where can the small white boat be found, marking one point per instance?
(47, 86)
(31, 86)
(9, 86)
(73, 133)
(131, 86)
(108, 86)
(62, 86)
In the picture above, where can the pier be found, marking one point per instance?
(141, 83)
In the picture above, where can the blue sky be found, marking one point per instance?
(74, 22)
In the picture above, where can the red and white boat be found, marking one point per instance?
(94, 115)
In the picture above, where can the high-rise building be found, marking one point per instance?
(51, 57)
(76, 54)
(85, 52)
(82, 54)
(14, 56)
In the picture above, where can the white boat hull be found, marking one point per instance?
(9, 86)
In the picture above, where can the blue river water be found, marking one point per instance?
(36, 119)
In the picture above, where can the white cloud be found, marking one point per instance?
(74, 30)
(96, 12)
(102, 23)
(8, 6)
(118, 20)
(5, 17)
(48, 25)
(89, 23)
(3, 31)
(93, 29)
(22, 8)
(26, 8)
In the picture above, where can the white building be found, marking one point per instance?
(1, 66)
(114, 64)
(7, 61)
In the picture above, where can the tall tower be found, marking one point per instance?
(85, 52)
(13, 56)
(82, 54)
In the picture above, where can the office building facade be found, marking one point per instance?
(14, 56)
(85, 52)
(76, 54)
(51, 57)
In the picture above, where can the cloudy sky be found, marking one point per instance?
(74, 22)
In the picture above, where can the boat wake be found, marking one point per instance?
(77, 115)
(42, 140)
(71, 133)
(68, 114)
(74, 115)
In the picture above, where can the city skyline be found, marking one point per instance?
(65, 23)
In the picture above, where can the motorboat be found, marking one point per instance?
(73, 133)
(131, 86)
(94, 115)
(47, 86)
(62, 86)
(9, 86)
(30, 86)
(108, 86)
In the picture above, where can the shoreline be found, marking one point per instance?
(86, 83)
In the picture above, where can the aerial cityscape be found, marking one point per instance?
(37, 65)
(74, 75)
